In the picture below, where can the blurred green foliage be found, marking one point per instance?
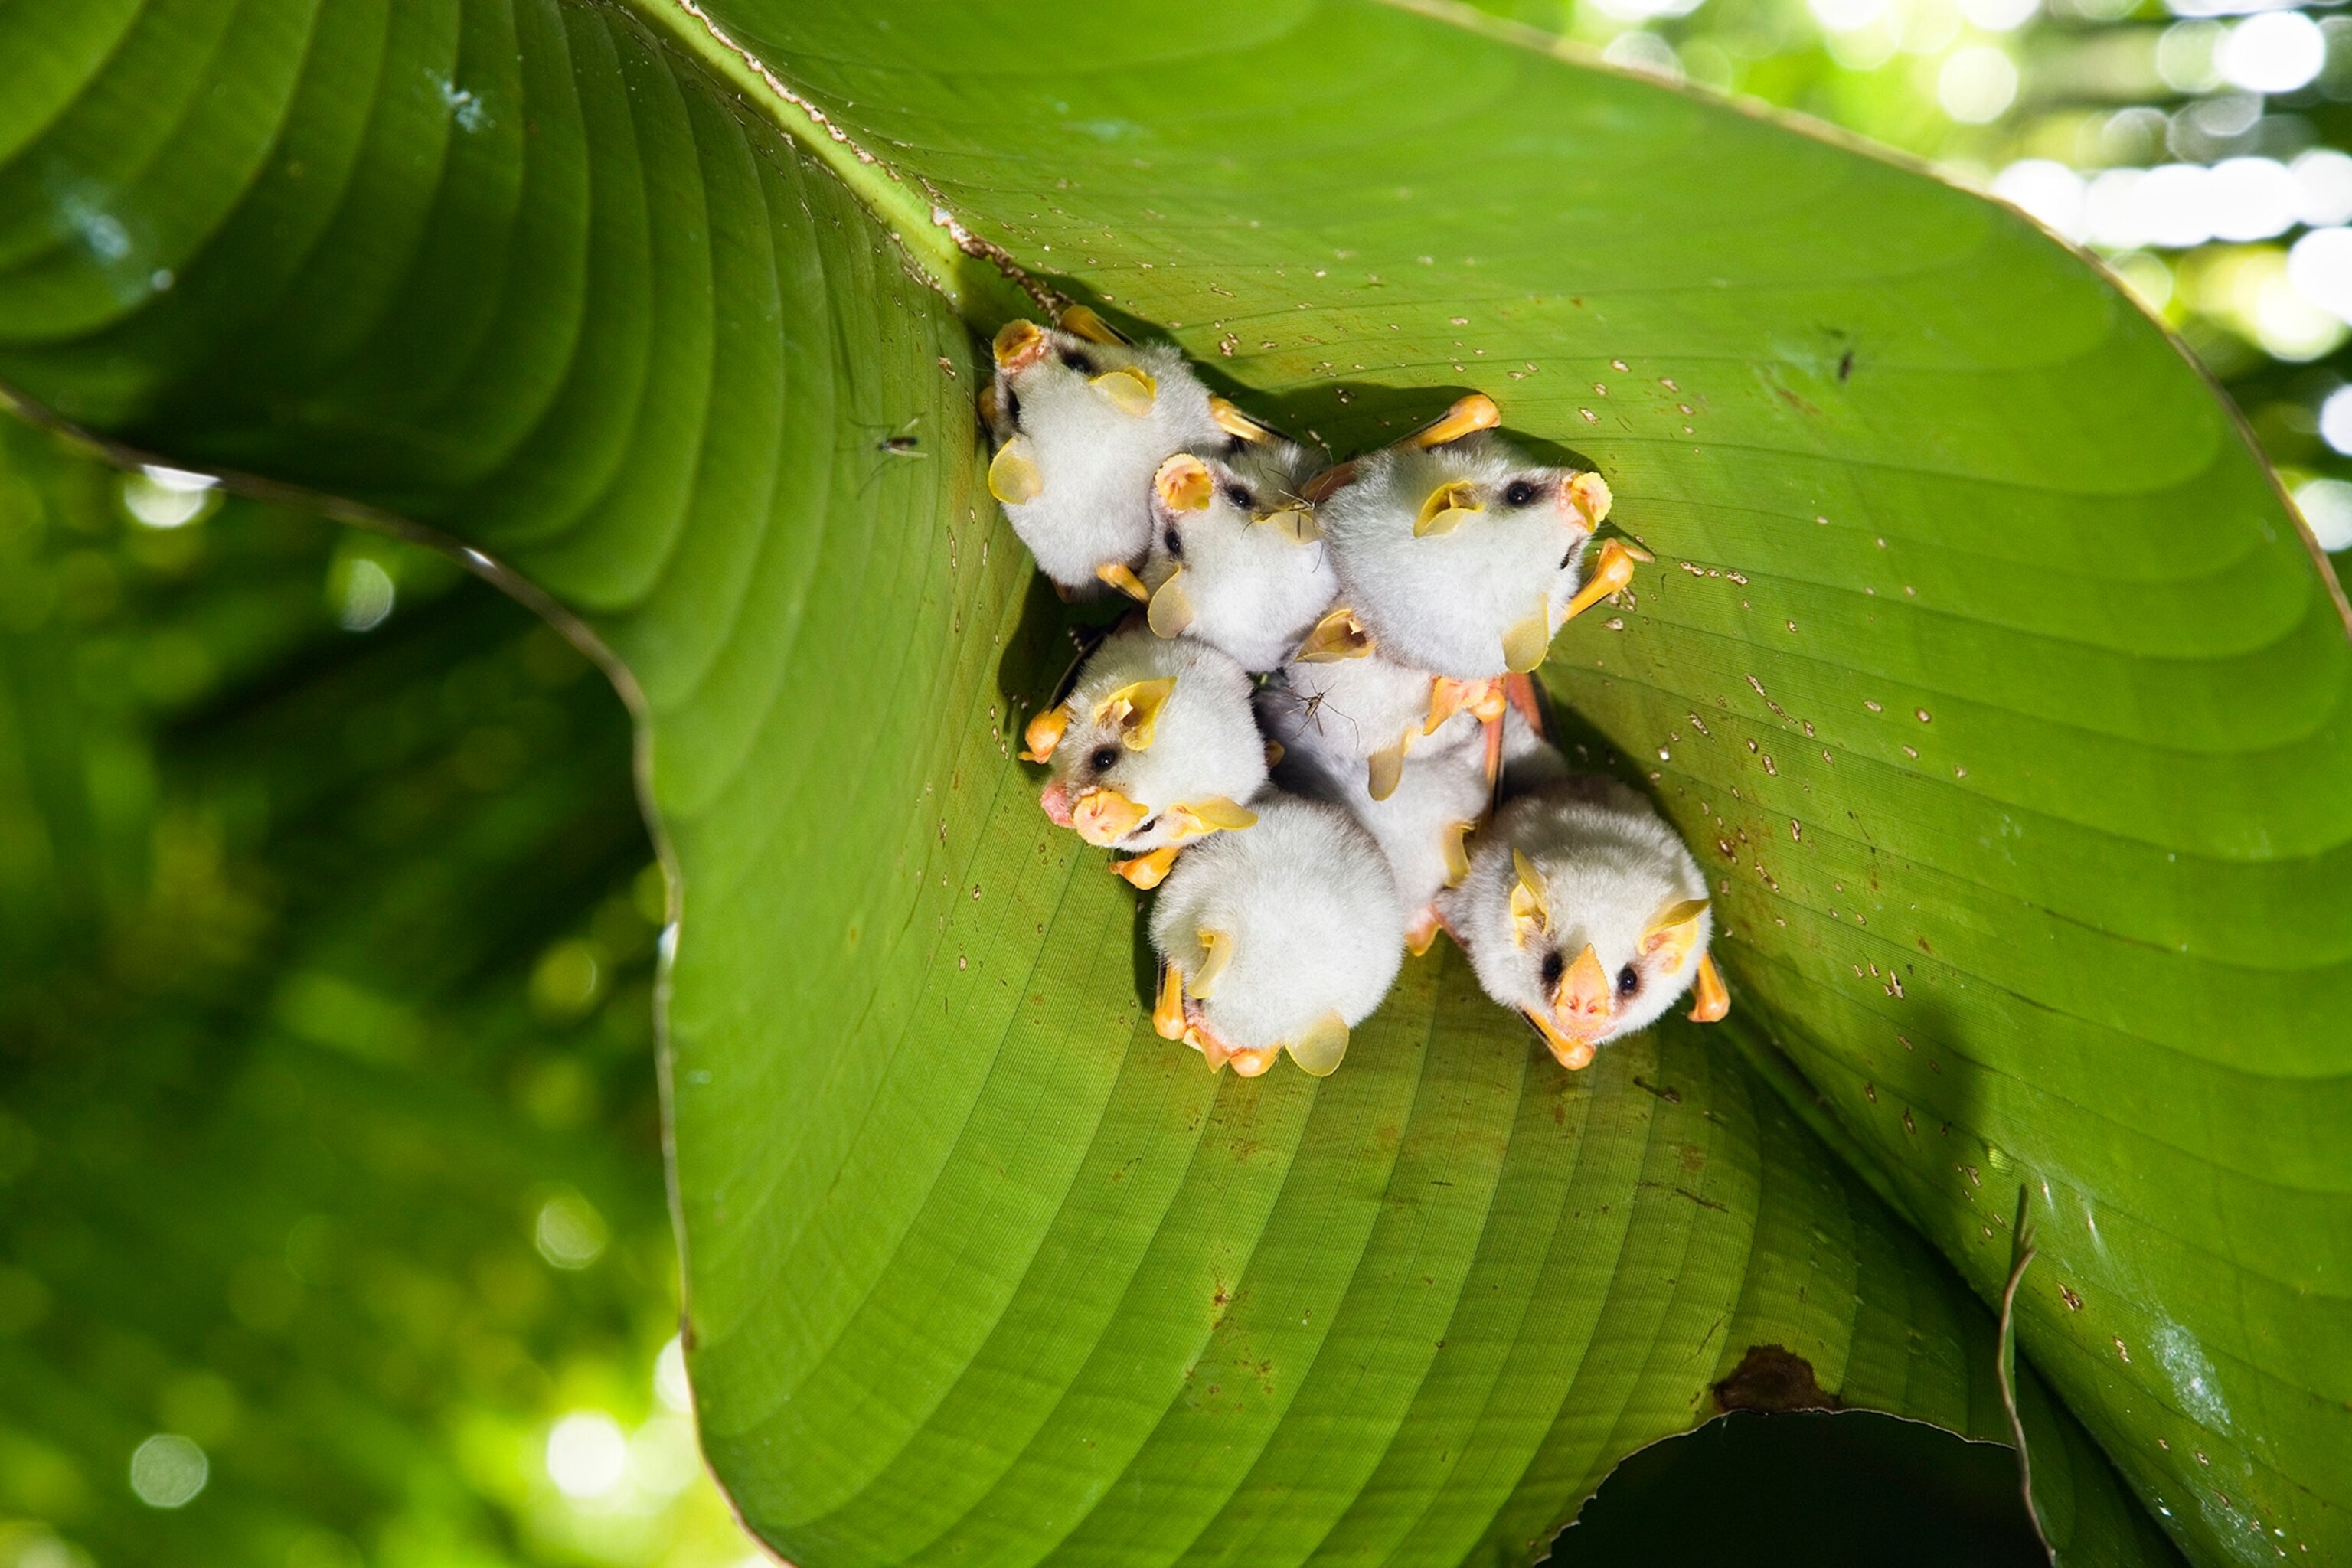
(2062, 107)
(328, 1141)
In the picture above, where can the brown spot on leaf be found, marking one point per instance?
(1773, 1378)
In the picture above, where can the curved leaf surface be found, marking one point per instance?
(979, 1267)
(1986, 653)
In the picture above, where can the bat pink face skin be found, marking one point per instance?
(1155, 745)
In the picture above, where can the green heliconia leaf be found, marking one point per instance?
(1981, 661)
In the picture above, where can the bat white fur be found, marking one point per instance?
(1249, 583)
(1205, 742)
(1445, 601)
(1610, 865)
(1094, 459)
(1311, 912)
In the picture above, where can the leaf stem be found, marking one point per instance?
(2021, 1255)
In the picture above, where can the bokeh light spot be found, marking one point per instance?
(2326, 506)
(2336, 420)
(168, 1470)
(1976, 84)
(168, 498)
(2278, 52)
(586, 1454)
(670, 1385)
(362, 593)
(570, 1233)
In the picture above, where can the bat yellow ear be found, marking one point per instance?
(1318, 1051)
(1216, 814)
(1530, 915)
(1012, 475)
(1448, 697)
(1295, 523)
(1447, 508)
(1337, 636)
(1525, 645)
(1044, 733)
(1217, 949)
(1455, 838)
(1673, 931)
(1129, 389)
(1081, 321)
(1171, 606)
(1135, 708)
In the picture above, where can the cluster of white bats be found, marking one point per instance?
(1317, 740)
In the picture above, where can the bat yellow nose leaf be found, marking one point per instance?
(1128, 390)
(1020, 344)
(1012, 475)
(1104, 816)
(1183, 484)
(1449, 506)
(1589, 494)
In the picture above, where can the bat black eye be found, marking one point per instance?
(1519, 493)
(1082, 363)
(1105, 758)
(1567, 558)
(1629, 980)
(1175, 545)
(1239, 497)
(1554, 966)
